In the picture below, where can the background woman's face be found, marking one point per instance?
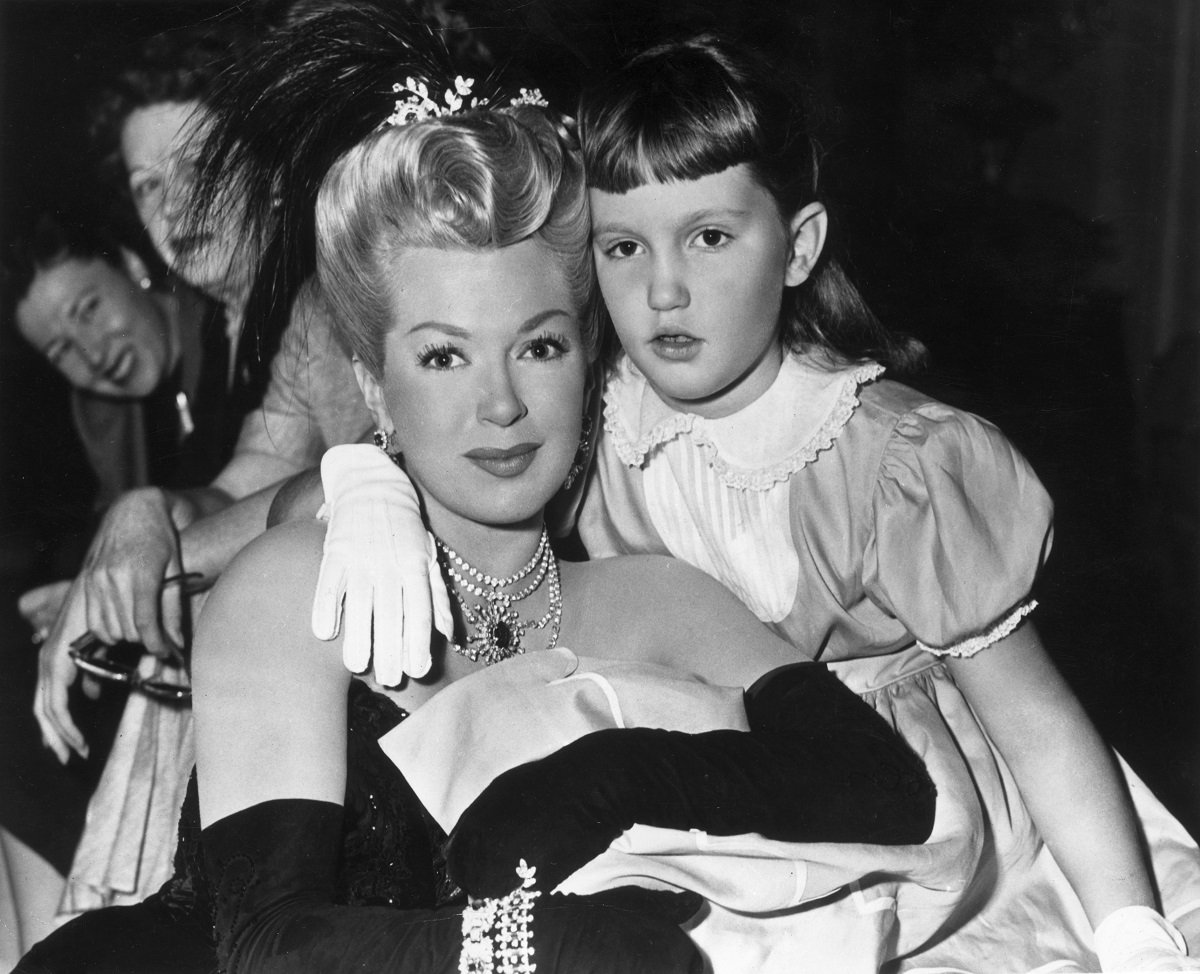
(159, 145)
(98, 328)
(484, 376)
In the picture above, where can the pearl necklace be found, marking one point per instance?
(496, 629)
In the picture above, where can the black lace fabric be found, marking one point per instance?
(392, 850)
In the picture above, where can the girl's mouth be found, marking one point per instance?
(675, 347)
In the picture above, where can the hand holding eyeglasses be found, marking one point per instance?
(60, 661)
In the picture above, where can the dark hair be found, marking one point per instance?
(177, 66)
(53, 240)
(695, 107)
(313, 90)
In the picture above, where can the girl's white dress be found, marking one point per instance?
(881, 531)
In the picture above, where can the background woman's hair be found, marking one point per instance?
(695, 107)
(473, 181)
(174, 67)
(314, 87)
(53, 239)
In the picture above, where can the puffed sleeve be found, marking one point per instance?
(961, 526)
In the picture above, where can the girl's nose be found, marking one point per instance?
(500, 402)
(667, 290)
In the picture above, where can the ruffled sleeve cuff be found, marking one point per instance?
(968, 647)
(961, 529)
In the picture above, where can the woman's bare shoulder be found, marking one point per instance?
(274, 573)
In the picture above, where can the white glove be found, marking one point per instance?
(380, 559)
(1137, 938)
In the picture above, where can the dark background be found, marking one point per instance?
(1014, 181)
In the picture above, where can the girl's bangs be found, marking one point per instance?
(667, 140)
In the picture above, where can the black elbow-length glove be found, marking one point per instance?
(272, 868)
(819, 765)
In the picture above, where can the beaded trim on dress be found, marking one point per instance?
(623, 400)
(976, 644)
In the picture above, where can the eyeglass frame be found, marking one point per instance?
(83, 651)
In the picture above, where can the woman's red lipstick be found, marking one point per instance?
(510, 462)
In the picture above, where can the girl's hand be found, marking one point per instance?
(1137, 938)
(379, 571)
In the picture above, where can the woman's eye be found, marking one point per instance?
(88, 309)
(623, 248)
(439, 357)
(545, 349)
(145, 188)
(710, 238)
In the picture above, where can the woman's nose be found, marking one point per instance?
(92, 352)
(668, 289)
(500, 402)
(177, 190)
(173, 200)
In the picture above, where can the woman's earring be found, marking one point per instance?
(582, 455)
(383, 439)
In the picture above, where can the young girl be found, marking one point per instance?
(748, 431)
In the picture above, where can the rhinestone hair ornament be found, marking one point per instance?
(417, 105)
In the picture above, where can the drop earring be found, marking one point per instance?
(582, 455)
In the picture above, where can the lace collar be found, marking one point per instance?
(801, 414)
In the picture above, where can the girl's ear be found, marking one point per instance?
(807, 230)
(136, 268)
(373, 395)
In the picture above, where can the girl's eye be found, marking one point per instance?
(545, 348)
(710, 238)
(88, 309)
(440, 358)
(622, 248)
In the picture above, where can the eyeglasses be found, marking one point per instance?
(87, 651)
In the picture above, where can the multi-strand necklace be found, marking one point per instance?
(495, 628)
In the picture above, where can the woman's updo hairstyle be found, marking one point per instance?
(473, 181)
(318, 88)
(695, 107)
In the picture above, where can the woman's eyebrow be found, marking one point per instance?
(441, 326)
(530, 324)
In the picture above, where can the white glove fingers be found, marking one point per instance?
(327, 599)
(356, 630)
(417, 626)
(443, 617)
(391, 653)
